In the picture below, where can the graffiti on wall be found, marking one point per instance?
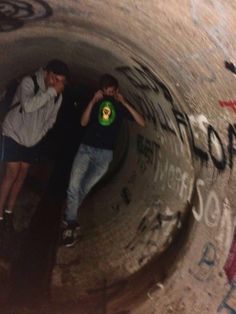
(219, 154)
(142, 78)
(230, 66)
(209, 209)
(203, 269)
(14, 14)
(230, 265)
(228, 103)
(161, 118)
(155, 221)
(228, 303)
(212, 148)
(172, 177)
(147, 152)
(230, 270)
(207, 145)
(215, 214)
(125, 193)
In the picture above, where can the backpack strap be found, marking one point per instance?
(36, 89)
(36, 85)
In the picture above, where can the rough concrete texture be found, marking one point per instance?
(156, 235)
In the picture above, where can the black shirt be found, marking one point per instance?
(104, 124)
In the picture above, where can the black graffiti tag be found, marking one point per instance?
(149, 225)
(14, 14)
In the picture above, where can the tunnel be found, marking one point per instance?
(158, 231)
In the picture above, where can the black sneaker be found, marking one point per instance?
(8, 218)
(65, 224)
(8, 212)
(70, 235)
(1, 221)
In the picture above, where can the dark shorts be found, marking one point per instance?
(10, 150)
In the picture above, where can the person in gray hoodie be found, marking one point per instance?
(33, 112)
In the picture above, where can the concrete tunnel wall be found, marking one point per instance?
(169, 58)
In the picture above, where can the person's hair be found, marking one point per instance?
(58, 67)
(107, 80)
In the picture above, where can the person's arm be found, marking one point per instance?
(31, 102)
(87, 112)
(135, 114)
(52, 116)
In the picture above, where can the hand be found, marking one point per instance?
(97, 96)
(59, 87)
(119, 97)
(55, 80)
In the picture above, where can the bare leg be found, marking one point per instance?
(11, 172)
(17, 185)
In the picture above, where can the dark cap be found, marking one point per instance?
(58, 67)
(107, 80)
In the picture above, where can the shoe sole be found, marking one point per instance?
(65, 225)
(8, 212)
(71, 244)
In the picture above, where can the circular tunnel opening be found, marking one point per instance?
(136, 222)
(133, 215)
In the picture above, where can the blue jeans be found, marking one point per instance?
(89, 165)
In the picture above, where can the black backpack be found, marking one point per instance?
(6, 102)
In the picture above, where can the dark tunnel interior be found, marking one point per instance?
(36, 255)
(157, 231)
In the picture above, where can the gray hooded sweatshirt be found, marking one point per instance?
(36, 114)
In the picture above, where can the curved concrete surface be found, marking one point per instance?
(157, 233)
